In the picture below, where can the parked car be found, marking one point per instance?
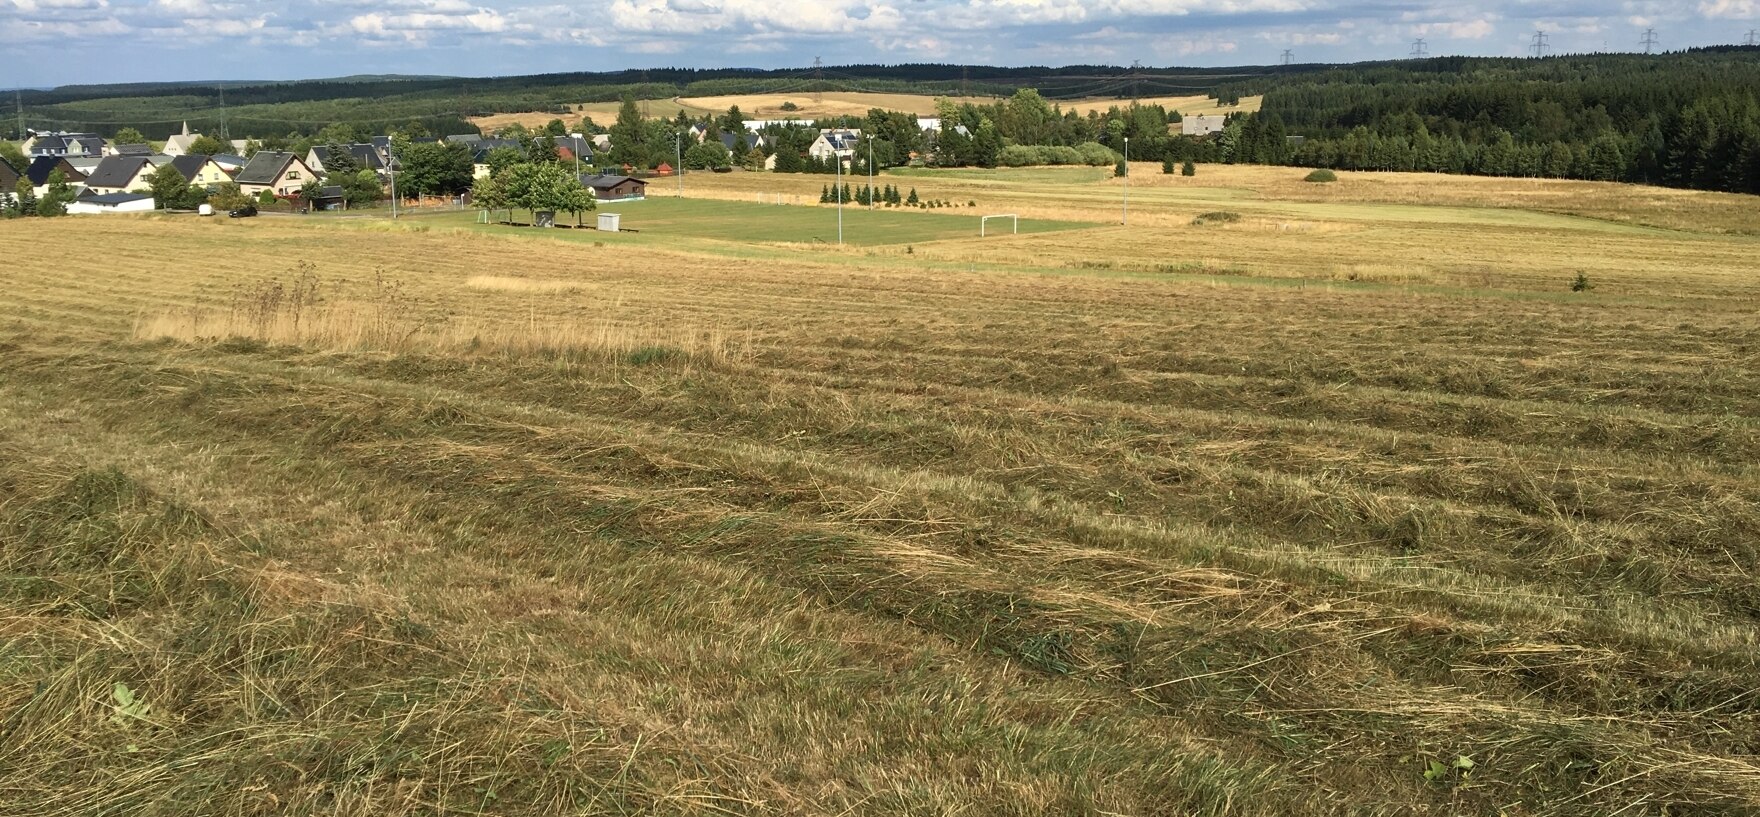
(244, 212)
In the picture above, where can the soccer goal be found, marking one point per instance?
(984, 223)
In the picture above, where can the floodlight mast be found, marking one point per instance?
(1127, 181)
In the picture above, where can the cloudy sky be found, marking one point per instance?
(50, 42)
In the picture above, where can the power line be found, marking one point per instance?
(1649, 41)
(1540, 44)
(1420, 49)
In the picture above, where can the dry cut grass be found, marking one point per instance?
(1023, 526)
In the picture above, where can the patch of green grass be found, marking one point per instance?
(659, 220)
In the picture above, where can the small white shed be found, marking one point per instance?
(610, 222)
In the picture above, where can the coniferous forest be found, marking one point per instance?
(1683, 120)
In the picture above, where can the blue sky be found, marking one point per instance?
(51, 42)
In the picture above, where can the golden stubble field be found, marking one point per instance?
(447, 520)
(832, 103)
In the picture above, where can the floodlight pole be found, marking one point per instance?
(391, 167)
(1127, 180)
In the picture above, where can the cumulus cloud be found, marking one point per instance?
(522, 36)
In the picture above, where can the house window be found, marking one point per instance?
(292, 175)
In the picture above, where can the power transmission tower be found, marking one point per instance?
(18, 102)
(644, 94)
(1649, 41)
(818, 80)
(1136, 81)
(1420, 49)
(225, 136)
(965, 77)
(1753, 38)
(1288, 56)
(1539, 44)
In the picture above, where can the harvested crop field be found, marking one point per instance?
(1221, 518)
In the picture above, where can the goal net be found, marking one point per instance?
(984, 224)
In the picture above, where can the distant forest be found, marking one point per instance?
(1685, 119)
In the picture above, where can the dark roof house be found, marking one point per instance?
(134, 149)
(277, 171)
(118, 172)
(42, 166)
(9, 177)
(614, 188)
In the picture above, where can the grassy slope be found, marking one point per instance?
(1042, 524)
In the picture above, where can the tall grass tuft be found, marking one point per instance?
(384, 318)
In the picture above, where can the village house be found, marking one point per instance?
(62, 143)
(120, 174)
(279, 172)
(9, 177)
(1201, 125)
(200, 171)
(838, 142)
(614, 188)
(43, 167)
(365, 155)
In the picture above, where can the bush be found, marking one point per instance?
(1190, 168)
(1095, 154)
(1581, 284)
(1218, 217)
(1322, 176)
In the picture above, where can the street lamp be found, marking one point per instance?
(838, 161)
(870, 171)
(678, 148)
(1127, 180)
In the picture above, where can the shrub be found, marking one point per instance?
(1167, 166)
(1095, 154)
(1322, 176)
(1121, 169)
(1581, 284)
(1217, 217)
(1190, 168)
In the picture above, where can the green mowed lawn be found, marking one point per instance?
(668, 218)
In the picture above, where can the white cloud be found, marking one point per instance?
(1730, 9)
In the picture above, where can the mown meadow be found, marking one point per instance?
(1375, 499)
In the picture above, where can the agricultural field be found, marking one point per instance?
(831, 103)
(1402, 495)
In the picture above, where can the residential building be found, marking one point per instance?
(9, 177)
(62, 143)
(200, 171)
(1200, 125)
(44, 166)
(838, 142)
(614, 188)
(279, 172)
(365, 155)
(120, 174)
(229, 162)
